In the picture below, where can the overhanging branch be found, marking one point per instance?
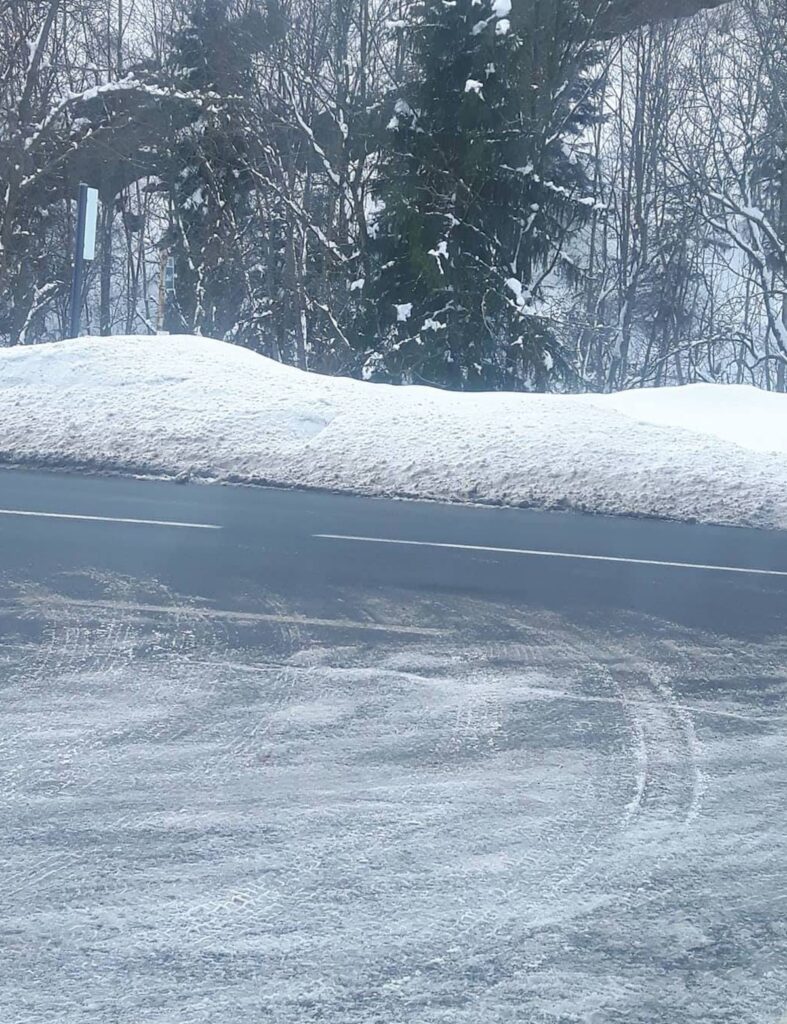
(624, 15)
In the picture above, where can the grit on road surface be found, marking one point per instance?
(263, 772)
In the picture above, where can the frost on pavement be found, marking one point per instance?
(184, 405)
(515, 819)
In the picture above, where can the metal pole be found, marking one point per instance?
(79, 264)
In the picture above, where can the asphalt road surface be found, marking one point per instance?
(295, 757)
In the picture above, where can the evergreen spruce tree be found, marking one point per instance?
(208, 175)
(478, 185)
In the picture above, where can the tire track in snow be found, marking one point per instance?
(662, 736)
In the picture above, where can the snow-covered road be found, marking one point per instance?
(377, 804)
(209, 820)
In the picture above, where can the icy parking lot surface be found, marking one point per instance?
(451, 811)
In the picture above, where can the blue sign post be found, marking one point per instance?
(84, 250)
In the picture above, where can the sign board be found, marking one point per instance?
(169, 276)
(91, 220)
(84, 249)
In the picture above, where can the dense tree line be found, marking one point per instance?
(535, 194)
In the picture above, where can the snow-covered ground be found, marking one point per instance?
(516, 820)
(194, 406)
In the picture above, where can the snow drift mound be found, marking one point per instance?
(184, 405)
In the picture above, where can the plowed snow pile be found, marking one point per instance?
(185, 405)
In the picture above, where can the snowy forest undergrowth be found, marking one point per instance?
(477, 194)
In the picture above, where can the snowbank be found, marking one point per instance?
(182, 405)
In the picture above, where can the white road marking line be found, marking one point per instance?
(535, 552)
(107, 519)
(198, 611)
